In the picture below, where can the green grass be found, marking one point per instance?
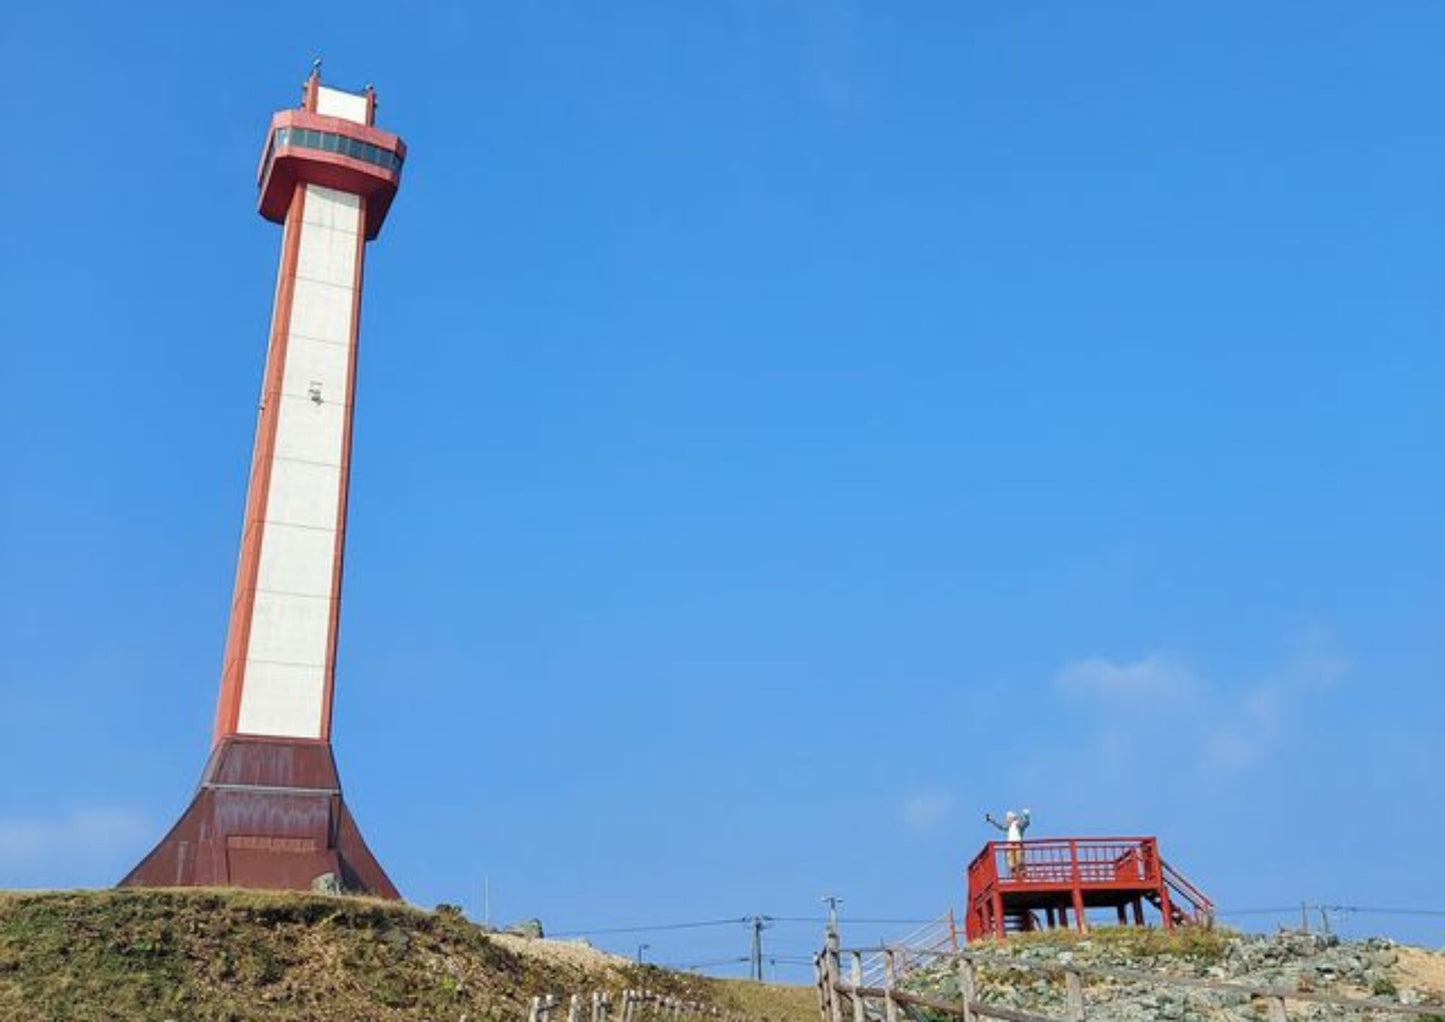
(198, 954)
(1197, 944)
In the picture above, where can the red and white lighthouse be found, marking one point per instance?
(268, 812)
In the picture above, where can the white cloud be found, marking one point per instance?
(1153, 676)
(1157, 709)
(82, 838)
(925, 810)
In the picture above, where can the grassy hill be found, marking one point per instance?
(212, 954)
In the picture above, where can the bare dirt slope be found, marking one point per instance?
(204, 955)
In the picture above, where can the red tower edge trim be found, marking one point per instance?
(337, 563)
(238, 634)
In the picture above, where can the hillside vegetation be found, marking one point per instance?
(234, 955)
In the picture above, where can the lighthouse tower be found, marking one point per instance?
(268, 812)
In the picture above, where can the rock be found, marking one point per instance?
(327, 883)
(1289, 960)
(396, 939)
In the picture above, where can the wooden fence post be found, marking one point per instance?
(834, 976)
(1277, 1011)
(968, 987)
(860, 1007)
(574, 1008)
(820, 980)
(534, 1013)
(1074, 992)
(890, 977)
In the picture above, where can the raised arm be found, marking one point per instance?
(988, 818)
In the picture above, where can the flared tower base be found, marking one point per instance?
(268, 814)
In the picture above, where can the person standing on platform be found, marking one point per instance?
(1013, 826)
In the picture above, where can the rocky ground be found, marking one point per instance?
(1306, 962)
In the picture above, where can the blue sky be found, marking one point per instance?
(785, 431)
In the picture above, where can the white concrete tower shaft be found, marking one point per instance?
(280, 660)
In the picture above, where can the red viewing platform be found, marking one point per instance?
(1019, 886)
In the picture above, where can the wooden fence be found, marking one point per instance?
(854, 1002)
(629, 1006)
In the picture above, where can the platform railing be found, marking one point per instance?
(1066, 861)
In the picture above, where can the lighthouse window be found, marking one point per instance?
(330, 142)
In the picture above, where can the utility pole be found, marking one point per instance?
(832, 901)
(759, 924)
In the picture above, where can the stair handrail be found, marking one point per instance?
(1179, 883)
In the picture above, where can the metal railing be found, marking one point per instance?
(939, 935)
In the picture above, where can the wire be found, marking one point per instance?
(711, 964)
(855, 920)
(742, 919)
(1384, 911)
(650, 929)
(883, 921)
(1361, 910)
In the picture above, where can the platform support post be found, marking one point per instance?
(1078, 891)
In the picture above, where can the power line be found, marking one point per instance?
(1386, 911)
(858, 920)
(712, 963)
(1359, 909)
(903, 921)
(654, 927)
(698, 924)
